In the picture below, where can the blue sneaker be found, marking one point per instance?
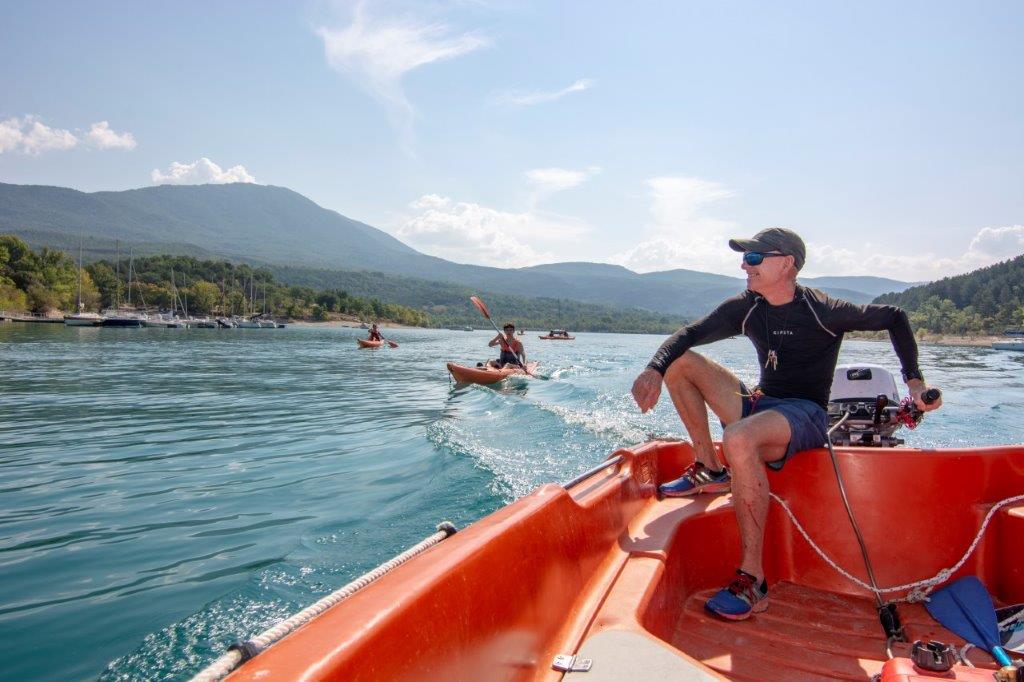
(697, 479)
(740, 599)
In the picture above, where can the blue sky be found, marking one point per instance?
(890, 135)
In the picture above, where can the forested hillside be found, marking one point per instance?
(984, 301)
(448, 304)
(48, 281)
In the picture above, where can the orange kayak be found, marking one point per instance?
(485, 375)
(366, 343)
(602, 569)
(556, 338)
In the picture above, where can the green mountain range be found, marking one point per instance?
(277, 227)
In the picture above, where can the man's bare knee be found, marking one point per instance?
(684, 367)
(737, 441)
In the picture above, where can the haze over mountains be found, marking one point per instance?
(279, 227)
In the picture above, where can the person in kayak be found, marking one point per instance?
(375, 333)
(512, 351)
(796, 332)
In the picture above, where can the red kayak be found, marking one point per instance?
(366, 343)
(486, 375)
(602, 569)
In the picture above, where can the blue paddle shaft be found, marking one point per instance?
(984, 635)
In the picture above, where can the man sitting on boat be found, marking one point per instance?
(375, 333)
(796, 332)
(512, 351)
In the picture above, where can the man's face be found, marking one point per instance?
(771, 271)
(509, 331)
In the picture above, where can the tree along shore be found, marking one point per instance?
(47, 282)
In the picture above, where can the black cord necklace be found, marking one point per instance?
(773, 353)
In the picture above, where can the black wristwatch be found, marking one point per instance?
(912, 374)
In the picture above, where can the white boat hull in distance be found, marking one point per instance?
(83, 320)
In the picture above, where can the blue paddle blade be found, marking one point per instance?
(965, 608)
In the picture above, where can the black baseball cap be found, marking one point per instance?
(774, 239)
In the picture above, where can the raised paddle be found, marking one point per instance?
(486, 313)
(965, 608)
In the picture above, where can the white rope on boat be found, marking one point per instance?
(918, 591)
(229, 661)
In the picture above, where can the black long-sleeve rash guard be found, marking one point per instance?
(805, 334)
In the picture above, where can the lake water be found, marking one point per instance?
(165, 492)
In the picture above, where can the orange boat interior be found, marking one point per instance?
(609, 572)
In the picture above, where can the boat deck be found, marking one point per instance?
(806, 634)
(608, 572)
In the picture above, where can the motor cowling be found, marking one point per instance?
(869, 396)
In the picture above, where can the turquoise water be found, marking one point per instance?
(165, 492)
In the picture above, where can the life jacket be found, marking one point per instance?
(508, 348)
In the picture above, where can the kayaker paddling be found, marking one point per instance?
(375, 334)
(796, 332)
(512, 351)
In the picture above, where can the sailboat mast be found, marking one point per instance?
(79, 272)
(131, 261)
(117, 279)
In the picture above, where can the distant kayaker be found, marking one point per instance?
(796, 332)
(375, 333)
(512, 351)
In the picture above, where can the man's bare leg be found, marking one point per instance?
(748, 444)
(694, 383)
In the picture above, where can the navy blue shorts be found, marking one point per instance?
(808, 422)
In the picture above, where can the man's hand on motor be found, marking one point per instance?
(647, 389)
(917, 389)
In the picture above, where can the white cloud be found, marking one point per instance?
(200, 172)
(989, 245)
(683, 236)
(680, 236)
(431, 201)
(999, 242)
(378, 52)
(101, 136)
(10, 135)
(29, 135)
(528, 99)
(471, 233)
(550, 180)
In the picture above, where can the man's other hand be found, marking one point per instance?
(647, 389)
(917, 389)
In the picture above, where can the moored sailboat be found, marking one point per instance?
(81, 318)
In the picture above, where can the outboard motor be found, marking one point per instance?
(868, 394)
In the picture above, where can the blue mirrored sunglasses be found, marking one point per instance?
(756, 257)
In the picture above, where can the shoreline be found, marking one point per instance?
(979, 341)
(332, 324)
(952, 340)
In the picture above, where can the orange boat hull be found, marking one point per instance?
(607, 570)
(366, 343)
(485, 375)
